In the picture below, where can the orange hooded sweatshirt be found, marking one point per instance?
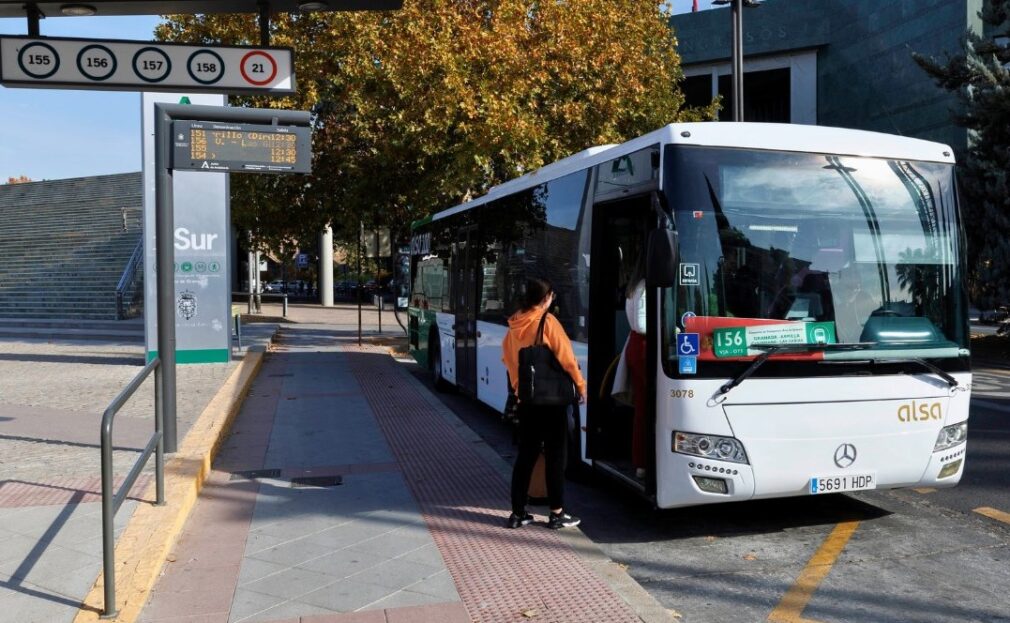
(523, 332)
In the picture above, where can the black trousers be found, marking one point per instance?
(541, 427)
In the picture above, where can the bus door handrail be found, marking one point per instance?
(111, 499)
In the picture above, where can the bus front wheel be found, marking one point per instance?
(435, 365)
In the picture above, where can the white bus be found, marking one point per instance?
(807, 313)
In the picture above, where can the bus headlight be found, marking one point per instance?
(951, 436)
(710, 447)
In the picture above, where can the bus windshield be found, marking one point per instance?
(783, 247)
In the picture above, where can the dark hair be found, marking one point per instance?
(536, 291)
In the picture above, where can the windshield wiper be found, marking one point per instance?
(773, 349)
(951, 381)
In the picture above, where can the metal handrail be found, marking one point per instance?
(127, 277)
(258, 295)
(112, 500)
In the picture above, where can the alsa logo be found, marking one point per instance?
(920, 412)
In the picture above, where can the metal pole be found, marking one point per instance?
(108, 514)
(264, 7)
(361, 236)
(33, 14)
(165, 221)
(259, 286)
(737, 60)
(159, 454)
(251, 274)
(238, 329)
(285, 311)
(376, 261)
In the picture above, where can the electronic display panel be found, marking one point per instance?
(220, 147)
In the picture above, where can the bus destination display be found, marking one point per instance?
(221, 147)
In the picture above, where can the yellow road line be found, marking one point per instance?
(992, 513)
(150, 534)
(790, 608)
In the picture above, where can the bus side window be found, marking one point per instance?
(492, 307)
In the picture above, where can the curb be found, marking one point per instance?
(150, 534)
(646, 607)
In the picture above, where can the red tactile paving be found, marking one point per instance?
(18, 493)
(499, 573)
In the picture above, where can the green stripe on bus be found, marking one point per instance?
(420, 222)
(209, 355)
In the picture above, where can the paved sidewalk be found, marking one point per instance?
(52, 395)
(347, 493)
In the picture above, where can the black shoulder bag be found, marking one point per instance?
(542, 380)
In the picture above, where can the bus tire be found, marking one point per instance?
(435, 366)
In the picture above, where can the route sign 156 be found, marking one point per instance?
(143, 66)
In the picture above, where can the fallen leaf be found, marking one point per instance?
(709, 539)
(529, 614)
(750, 557)
(170, 558)
(675, 614)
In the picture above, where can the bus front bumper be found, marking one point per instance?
(705, 481)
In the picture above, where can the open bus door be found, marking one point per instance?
(620, 232)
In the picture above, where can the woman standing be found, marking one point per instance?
(540, 425)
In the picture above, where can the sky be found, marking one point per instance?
(48, 134)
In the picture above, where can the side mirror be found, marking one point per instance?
(661, 255)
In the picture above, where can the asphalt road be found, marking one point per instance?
(984, 329)
(878, 557)
(986, 479)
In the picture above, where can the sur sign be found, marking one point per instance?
(144, 66)
(201, 239)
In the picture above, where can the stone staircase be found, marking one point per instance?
(65, 243)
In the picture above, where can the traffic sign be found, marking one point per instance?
(144, 66)
(209, 146)
(687, 344)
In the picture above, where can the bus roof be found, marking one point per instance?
(757, 136)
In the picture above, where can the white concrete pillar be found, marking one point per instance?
(326, 267)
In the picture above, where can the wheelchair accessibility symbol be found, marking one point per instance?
(687, 344)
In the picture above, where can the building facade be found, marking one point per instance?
(843, 63)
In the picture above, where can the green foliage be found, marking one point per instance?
(422, 108)
(981, 82)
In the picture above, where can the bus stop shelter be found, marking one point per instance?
(35, 11)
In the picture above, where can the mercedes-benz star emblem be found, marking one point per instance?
(845, 455)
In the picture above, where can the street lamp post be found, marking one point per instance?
(736, 7)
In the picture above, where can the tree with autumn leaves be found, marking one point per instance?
(419, 109)
(980, 78)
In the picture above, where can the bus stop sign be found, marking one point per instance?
(142, 66)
